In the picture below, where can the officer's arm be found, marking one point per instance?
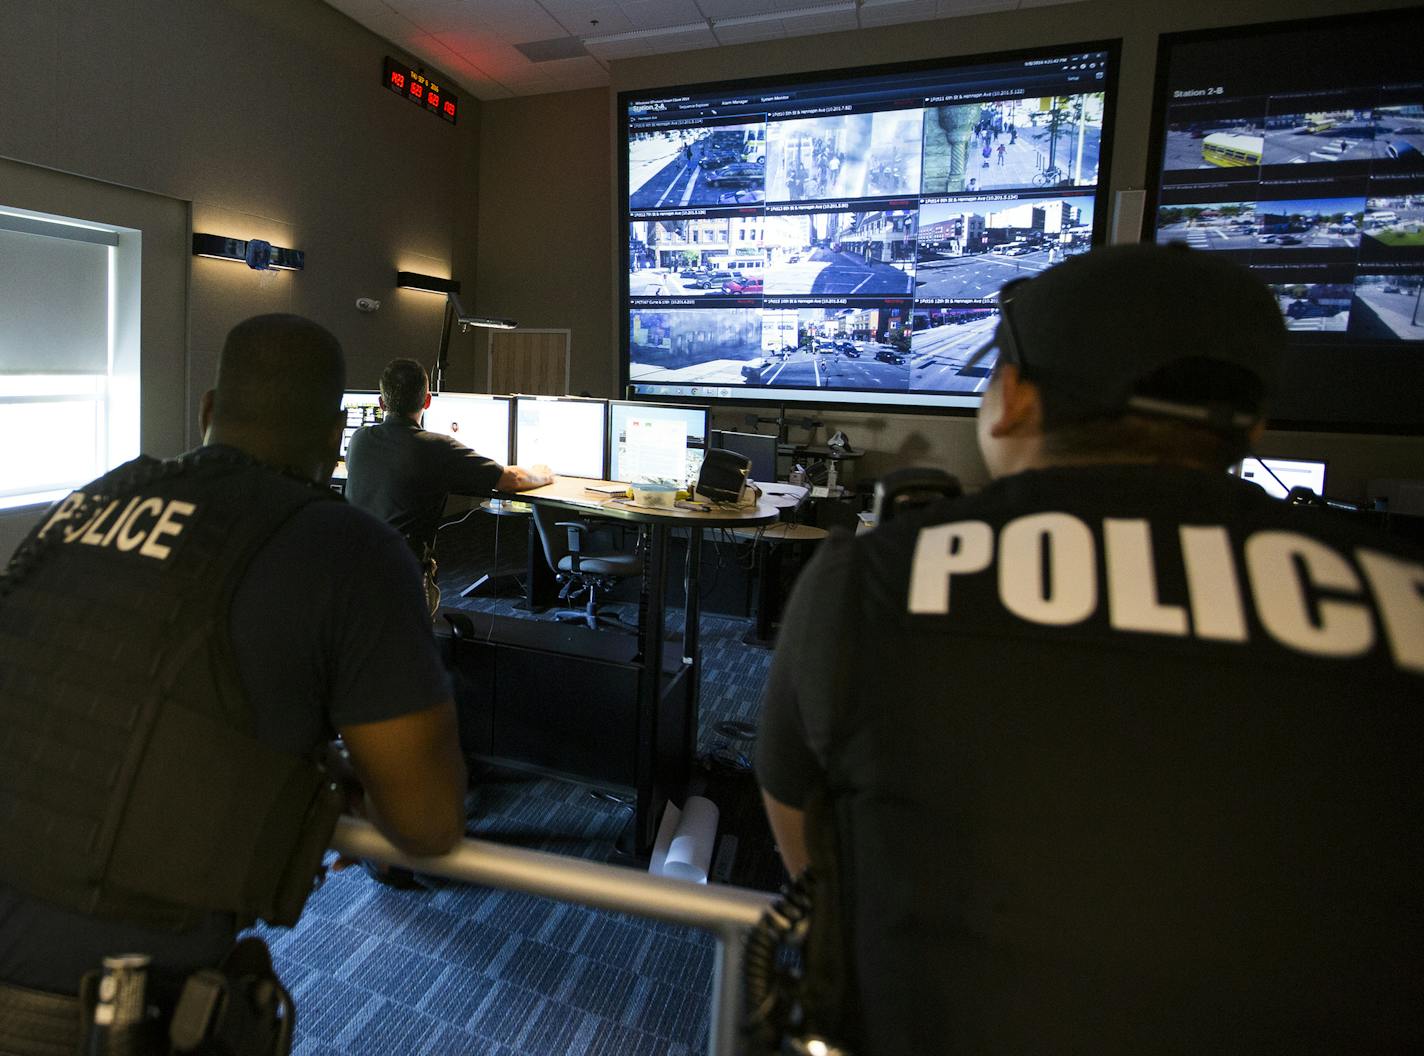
(414, 777)
(788, 825)
(517, 478)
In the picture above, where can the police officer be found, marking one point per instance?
(403, 474)
(178, 641)
(1118, 754)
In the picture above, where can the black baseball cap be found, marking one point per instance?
(1111, 332)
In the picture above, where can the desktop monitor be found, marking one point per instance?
(655, 442)
(565, 433)
(1278, 475)
(478, 422)
(759, 447)
(362, 407)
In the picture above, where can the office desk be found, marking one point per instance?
(775, 538)
(667, 738)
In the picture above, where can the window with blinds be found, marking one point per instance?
(57, 356)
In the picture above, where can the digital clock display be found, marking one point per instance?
(420, 89)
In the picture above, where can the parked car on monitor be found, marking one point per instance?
(738, 174)
(753, 371)
(889, 355)
(743, 284)
(711, 280)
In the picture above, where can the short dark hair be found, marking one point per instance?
(404, 384)
(280, 373)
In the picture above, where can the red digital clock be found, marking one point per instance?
(420, 89)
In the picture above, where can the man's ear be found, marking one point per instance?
(381, 403)
(205, 413)
(1020, 405)
(1254, 434)
(426, 405)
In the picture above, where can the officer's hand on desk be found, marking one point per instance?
(517, 478)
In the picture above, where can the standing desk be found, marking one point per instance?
(667, 692)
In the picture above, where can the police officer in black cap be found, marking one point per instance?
(179, 640)
(1119, 754)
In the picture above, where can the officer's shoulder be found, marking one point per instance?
(342, 522)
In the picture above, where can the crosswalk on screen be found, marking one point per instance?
(842, 238)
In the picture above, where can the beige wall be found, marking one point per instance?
(270, 118)
(579, 244)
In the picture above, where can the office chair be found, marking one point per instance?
(905, 489)
(582, 573)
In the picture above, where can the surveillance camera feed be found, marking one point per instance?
(1295, 148)
(843, 238)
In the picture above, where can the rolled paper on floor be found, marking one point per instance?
(689, 854)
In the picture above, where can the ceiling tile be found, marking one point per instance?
(621, 49)
(950, 8)
(715, 9)
(360, 10)
(774, 30)
(646, 14)
(610, 19)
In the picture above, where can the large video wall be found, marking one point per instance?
(842, 239)
(1298, 150)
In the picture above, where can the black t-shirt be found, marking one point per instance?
(1120, 759)
(329, 630)
(403, 474)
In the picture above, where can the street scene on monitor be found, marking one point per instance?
(1331, 223)
(968, 249)
(673, 168)
(1040, 142)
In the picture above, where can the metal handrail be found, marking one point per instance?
(726, 912)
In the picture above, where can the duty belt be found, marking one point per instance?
(36, 1023)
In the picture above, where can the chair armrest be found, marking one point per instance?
(576, 530)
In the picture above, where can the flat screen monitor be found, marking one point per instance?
(840, 238)
(1294, 148)
(759, 447)
(479, 422)
(362, 407)
(655, 443)
(565, 433)
(1278, 475)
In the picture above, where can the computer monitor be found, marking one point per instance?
(759, 447)
(1279, 475)
(655, 442)
(362, 407)
(477, 421)
(566, 433)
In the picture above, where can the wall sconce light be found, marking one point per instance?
(413, 280)
(255, 253)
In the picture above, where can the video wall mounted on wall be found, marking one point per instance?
(1297, 149)
(841, 238)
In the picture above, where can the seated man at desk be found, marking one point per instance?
(403, 473)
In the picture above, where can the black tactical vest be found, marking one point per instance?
(130, 783)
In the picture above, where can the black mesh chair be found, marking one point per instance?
(584, 576)
(906, 489)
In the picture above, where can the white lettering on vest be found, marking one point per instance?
(92, 535)
(1285, 570)
(170, 523)
(942, 552)
(119, 522)
(1213, 588)
(1133, 604)
(63, 511)
(1398, 587)
(128, 539)
(1047, 570)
